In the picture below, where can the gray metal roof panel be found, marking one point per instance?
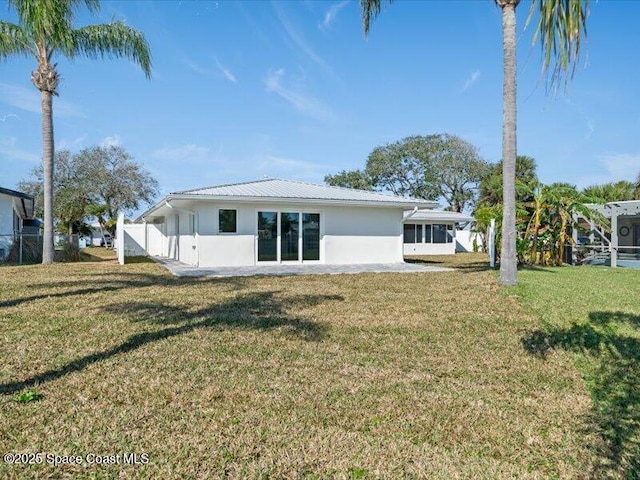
(290, 189)
(437, 215)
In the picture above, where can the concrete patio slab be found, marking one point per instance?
(183, 270)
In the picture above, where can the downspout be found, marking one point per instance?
(146, 240)
(413, 212)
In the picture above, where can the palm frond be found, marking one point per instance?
(112, 40)
(370, 10)
(14, 40)
(562, 24)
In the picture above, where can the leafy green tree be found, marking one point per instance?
(429, 167)
(350, 179)
(99, 181)
(46, 28)
(614, 191)
(560, 28)
(491, 184)
(402, 168)
(456, 168)
(72, 184)
(119, 183)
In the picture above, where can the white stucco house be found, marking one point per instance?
(434, 232)
(16, 216)
(273, 221)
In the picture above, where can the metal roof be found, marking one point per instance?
(275, 188)
(23, 203)
(14, 193)
(437, 216)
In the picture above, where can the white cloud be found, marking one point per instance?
(8, 116)
(195, 67)
(614, 168)
(11, 151)
(28, 99)
(331, 14)
(226, 72)
(111, 141)
(200, 70)
(473, 78)
(300, 42)
(274, 82)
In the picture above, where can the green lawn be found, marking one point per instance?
(439, 375)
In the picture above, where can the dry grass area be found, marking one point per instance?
(337, 376)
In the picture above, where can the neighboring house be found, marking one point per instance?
(274, 221)
(98, 236)
(433, 232)
(620, 246)
(16, 216)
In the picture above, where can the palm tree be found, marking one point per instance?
(44, 29)
(560, 29)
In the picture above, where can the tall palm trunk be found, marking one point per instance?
(48, 248)
(508, 260)
(45, 78)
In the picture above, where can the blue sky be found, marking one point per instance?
(293, 90)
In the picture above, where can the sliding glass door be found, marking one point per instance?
(267, 236)
(311, 236)
(289, 228)
(288, 237)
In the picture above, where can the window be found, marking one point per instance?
(427, 234)
(409, 233)
(439, 233)
(192, 224)
(227, 221)
(419, 233)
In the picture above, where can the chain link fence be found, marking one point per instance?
(21, 248)
(26, 248)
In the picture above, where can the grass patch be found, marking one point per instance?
(370, 375)
(28, 396)
(594, 314)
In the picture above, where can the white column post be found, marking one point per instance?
(492, 243)
(120, 238)
(614, 236)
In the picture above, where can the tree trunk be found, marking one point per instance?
(508, 260)
(48, 248)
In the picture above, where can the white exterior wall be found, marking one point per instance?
(6, 224)
(227, 249)
(6, 215)
(170, 247)
(429, 248)
(362, 235)
(348, 235)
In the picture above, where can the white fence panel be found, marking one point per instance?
(134, 239)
